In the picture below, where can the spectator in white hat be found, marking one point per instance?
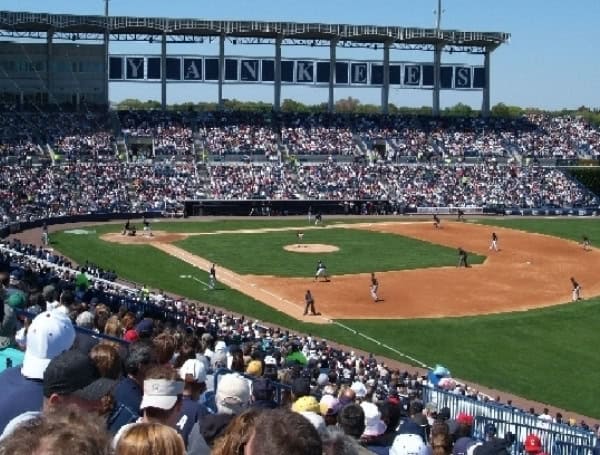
(232, 397)
(49, 334)
(162, 399)
(193, 373)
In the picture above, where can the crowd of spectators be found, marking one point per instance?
(425, 185)
(36, 192)
(175, 377)
(421, 138)
(93, 176)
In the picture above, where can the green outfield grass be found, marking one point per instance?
(547, 355)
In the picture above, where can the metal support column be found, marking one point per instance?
(106, 55)
(485, 105)
(437, 78)
(277, 75)
(221, 69)
(163, 72)
(332, 65)
(385, 88)
(49, 63)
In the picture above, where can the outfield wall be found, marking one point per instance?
(298, 207)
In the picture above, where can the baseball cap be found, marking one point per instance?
(195, 369)
(408, 444)
(161, 393)
(85, 319)
(74, 373)
(145, 327)
(233, 393)
(359, 389)
(49, 334)
(464, 418)
(374, 426)
(16, 275)
(16, 299)
(270, 360)
(306, 403)
(329, 405)
(254, 368)
(322, 380)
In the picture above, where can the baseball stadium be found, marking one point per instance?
(333, 278)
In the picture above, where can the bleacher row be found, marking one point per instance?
(36, 267)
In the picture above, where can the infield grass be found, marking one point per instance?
(359, 252)
(548, 355)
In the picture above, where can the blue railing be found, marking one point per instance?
(508, 419)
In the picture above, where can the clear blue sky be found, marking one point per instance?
(552, 61)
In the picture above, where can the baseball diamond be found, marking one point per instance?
(285, 268)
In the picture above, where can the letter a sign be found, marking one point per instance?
(192, 69)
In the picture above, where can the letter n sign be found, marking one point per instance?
(249, 70)
(305, 71)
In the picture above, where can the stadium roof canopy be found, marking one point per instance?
(14, 23)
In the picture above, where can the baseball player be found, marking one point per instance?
(309, 304)
(147, 228)
(460, 215)
(436, 221)
(300, 236)
(126, 228)
(321, 272)
(212, 277)
(45, 237)
(576, 290)
(587, 245)
(374, 287)
(462, 258)
(318, 219)
(494, 243)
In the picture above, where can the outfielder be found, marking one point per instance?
(374, 287)
(321, 272)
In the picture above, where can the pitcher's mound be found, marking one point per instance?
(310, 248)
(141, 237)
